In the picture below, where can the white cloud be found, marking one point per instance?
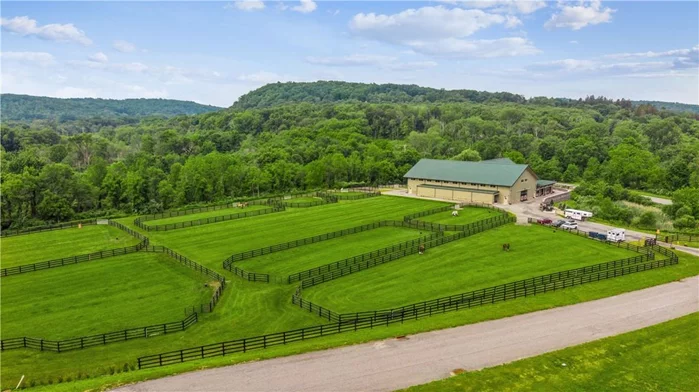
(669, 53)
(305, 7)
(575, 17)
(512, 22)
(597, 68)
(136, 91)
(24, 26)
(502, 6)
(98, 57)
(573, 42)
(485, 48)
(441, 31)
(123, 46)
(261, 77)
(42, 59)
(423, 24)
(351, 60)
(134, 67)
(362, 60)
(247, 5)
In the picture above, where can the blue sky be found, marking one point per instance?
(213, 52)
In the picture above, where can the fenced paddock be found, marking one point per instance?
(127, 291)
(61, 243)
(470, 263)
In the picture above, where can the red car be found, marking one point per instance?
(544, 221)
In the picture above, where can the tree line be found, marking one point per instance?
(66, 170)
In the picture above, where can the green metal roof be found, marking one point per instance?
(469, 172)
(540, 183)
(456, 188)
(500, 161)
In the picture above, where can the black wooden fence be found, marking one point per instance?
(39, 229)
(229, 265)
(280, 338)
(677, 237)
(362, 195)
(98, 340)
(70, 260)
(205, 221)
(360, 258)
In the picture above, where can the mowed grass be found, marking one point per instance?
(468, 264)
(211, 244)
(57, 244)
(100, 296)
(303, 200)
(305, 257)
(251, 309)
(204, 215)
(663, 357)
(466, 215)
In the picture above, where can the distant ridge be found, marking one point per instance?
(27, 108)
(275, 94)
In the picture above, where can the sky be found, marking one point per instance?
(213, 52)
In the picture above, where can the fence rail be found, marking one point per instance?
(205, 221)
(677, 237)
(359, 258)
(98, 340)
(39, 229)
(280, 338)
(70, 260)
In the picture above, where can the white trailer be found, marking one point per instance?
(616, 235)
(577, 214)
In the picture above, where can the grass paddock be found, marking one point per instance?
(57, 244)
(471, 263)
(100, 296)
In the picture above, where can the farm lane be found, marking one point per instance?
(391, 364)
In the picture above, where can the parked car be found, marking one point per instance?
(558, 223)
(570, 225)
(544, 221)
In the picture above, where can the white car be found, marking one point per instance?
(570, 225)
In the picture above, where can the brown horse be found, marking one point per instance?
(506, 247)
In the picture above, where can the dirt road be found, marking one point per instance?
(391, 364)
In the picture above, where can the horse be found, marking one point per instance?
(455, 213)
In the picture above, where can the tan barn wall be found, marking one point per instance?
(526, 181)
(425, 192)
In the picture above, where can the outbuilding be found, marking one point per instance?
(492, 181)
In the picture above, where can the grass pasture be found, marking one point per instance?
(468, 264)
(305, 257)
(57, 244)
(306, 199)
(120, 292)
(466, 215)
(211, 244)
(251, 308)
(658, 358)
(204, 215)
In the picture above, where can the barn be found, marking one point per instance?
(493, 181)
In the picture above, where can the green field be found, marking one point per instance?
(466, 215)
(213, 243)
(250, 309)
(100, 296)
(468, 264)
(305, 257)
(303, 200)
(663, 357)
(204, 215)
(56, 244)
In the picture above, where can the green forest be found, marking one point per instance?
(294, 136)
(28, 108)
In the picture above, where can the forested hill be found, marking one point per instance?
(28, 107)
(330, 92)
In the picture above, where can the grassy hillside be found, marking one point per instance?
(27, 108)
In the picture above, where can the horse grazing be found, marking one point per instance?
(455, 213)
(506, 247)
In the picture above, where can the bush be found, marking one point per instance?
(685, 222)
(647, 219)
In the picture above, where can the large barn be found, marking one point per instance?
(493, 181)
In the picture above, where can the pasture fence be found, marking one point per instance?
(70, 260)
(39, 229)
(677, 237)
(100, 339)
(356, 324)
(359, 258)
